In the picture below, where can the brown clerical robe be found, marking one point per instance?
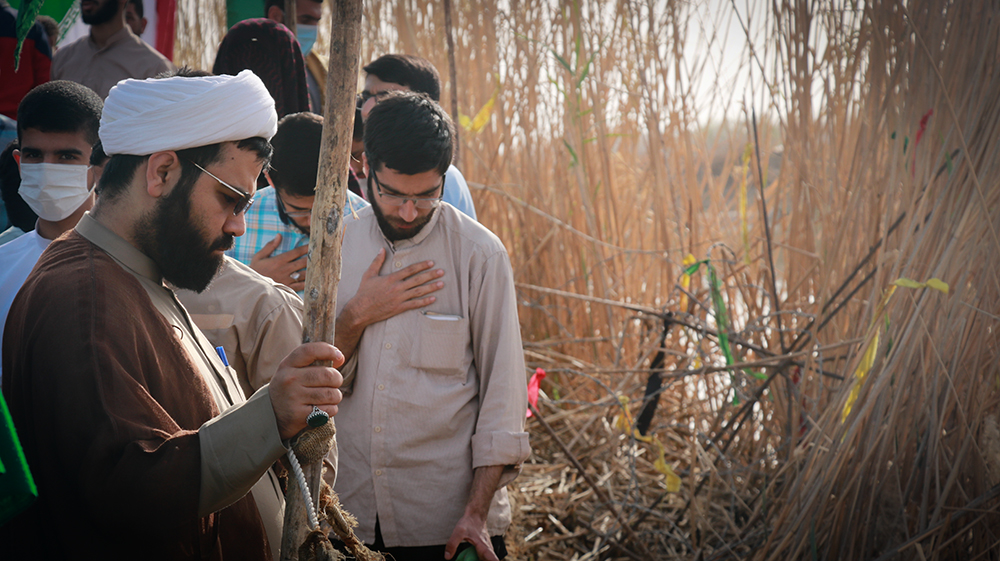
(108, 407)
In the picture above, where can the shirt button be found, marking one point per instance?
(388, 345)
(381, 386)
(398, 264)
(378, 472)
(378, 429)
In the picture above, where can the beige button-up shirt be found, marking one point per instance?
(256, 320)
(241, 443)
(437, 391)
(100, 68)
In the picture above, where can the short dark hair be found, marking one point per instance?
(138, 7)
(97, 156)
(184, 72)
(61, 106)
(50, 25)
(414, 72)
(410, 133)
(18, 211)
(296, 153)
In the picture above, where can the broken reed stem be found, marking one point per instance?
(806, 334)
(730, 429)
(633, 539)
(775, 297)
(733, 338)
(954, 516)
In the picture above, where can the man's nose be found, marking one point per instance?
(408, 211)
(236, 225)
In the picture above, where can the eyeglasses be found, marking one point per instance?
(392, 200)
(242, 203)
(294, 213)
(362, 98)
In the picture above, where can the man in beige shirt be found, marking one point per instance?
(127, 411)
(434, 420)
(255, 320)
(109, 54)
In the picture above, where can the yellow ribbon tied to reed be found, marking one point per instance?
(868, 359)
(478, 122)
(624, 423)
(688, 261)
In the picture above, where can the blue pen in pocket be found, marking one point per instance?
(222, 355)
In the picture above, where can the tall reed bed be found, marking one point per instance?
(634, 216)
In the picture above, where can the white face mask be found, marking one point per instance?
(54, 191)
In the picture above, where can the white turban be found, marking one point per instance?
(146, 116)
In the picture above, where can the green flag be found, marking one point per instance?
(25, 19)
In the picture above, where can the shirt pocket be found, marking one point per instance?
(442, 344)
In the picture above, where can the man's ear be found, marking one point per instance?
(277, 14)
(17, 158)
(163, 170)
(267, 175)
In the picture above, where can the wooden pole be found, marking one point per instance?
(452, 76)
(291, 16)
(326, 227)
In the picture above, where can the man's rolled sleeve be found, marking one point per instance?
(237, 448)
(500, 439)
(508, 449)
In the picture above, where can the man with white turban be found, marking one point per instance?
(116, 395)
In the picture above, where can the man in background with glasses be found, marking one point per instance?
(277, 236)
(435, 390)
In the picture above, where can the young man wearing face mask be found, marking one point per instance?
(57, 125)
(307, 16)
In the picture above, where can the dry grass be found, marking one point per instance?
(603, 173)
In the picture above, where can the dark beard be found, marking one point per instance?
(104, 13)
(390, 232)
(177, 246)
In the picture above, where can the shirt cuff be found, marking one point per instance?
(237, 448)
(507, 449)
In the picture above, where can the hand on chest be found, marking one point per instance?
(435, 337)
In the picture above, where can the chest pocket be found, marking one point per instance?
(443, 344)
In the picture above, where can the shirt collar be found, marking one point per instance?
(118, 36)
(419, 237)
(116, 246)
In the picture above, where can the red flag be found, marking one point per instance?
(533, 383)
(166, 25)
